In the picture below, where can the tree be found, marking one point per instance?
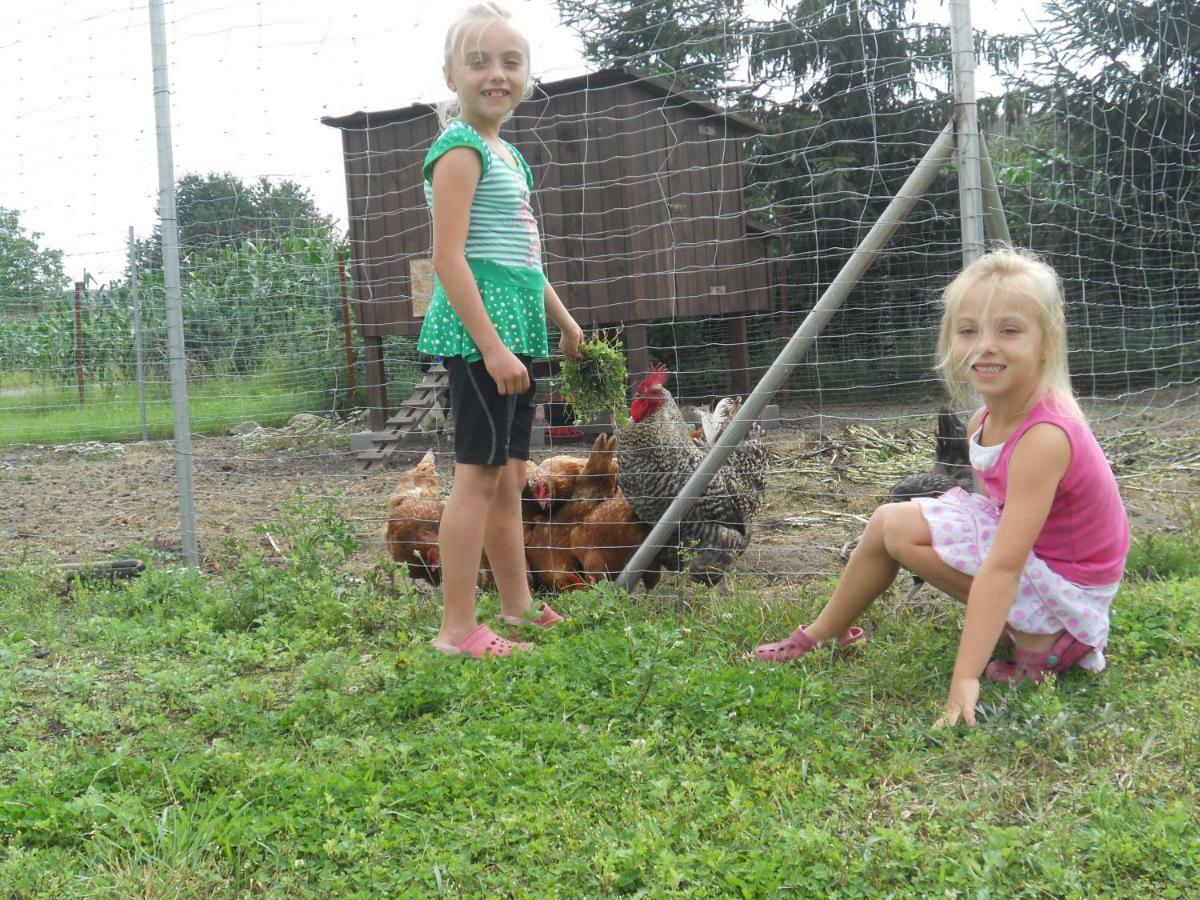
(220, 211)
(1111, 99)
(29, 274)
(1119, 83)
(696, 42)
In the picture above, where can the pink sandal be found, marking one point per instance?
(547, 619)
(798, 643)
(1036, 665)
(482, 642)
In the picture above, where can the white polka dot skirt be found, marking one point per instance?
(964, 525)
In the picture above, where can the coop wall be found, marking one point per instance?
(640, 202)
(389, 223)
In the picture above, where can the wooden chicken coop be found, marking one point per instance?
(639, 193)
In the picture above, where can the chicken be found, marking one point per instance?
(951, 468)
(414, 514)
(951, 464)
(656, 456)
(414, 520)
(552, 562)
(530, 508)
(434, 421)
(606, 540)
(420, 481)
(714, 421)
(553, 481)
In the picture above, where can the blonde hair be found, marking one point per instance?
(475, 18)
(1023, 273)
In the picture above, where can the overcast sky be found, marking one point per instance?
(250, 80)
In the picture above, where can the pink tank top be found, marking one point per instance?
(1086, 535)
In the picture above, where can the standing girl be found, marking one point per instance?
(1040, 553)
(487, 319)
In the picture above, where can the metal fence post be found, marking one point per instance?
(966, 117)
(174, 296)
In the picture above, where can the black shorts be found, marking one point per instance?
(489, 430)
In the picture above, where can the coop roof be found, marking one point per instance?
(653, 84)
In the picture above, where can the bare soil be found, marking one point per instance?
(829, 470)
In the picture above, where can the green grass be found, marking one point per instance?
(1167, 554)
(288, 731)
(53, 415)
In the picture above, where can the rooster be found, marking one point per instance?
(656, 456)
(414, 516)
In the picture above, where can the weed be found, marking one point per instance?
(1164, 555)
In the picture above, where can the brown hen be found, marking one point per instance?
(552, 563)
(606, 539)
(414, 514)
(553, 481)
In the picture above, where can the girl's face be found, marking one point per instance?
(489, 72)
(998, 344)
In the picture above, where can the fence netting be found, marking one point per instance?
(1089, 113)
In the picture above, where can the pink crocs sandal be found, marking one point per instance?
(547, 619)
(1036, 665)
(482, 642)
(798, 643)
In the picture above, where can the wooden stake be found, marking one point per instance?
(79, 338)
(351, 375)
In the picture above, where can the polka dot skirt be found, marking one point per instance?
(518, 314)
(964, 525)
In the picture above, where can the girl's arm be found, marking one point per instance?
(1038, 463)
(455, 177)
(556, 310)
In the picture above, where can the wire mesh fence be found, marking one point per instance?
(703, 171)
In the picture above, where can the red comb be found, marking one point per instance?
(659, 374)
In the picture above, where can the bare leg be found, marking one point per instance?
(868, 574)
(910, 543)
(460, 541)
(504, 540)
(896, 536)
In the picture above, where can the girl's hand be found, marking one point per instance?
(507, 371)
(964, 694)
(572, 337)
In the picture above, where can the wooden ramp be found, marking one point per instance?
(432, 390)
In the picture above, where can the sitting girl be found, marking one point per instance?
(1040, 553)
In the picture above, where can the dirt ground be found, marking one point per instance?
(829, 468)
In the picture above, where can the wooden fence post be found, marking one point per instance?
(79, 338)
(351, 375)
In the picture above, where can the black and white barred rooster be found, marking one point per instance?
(657, 454)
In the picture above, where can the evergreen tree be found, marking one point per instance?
(1116, 88)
